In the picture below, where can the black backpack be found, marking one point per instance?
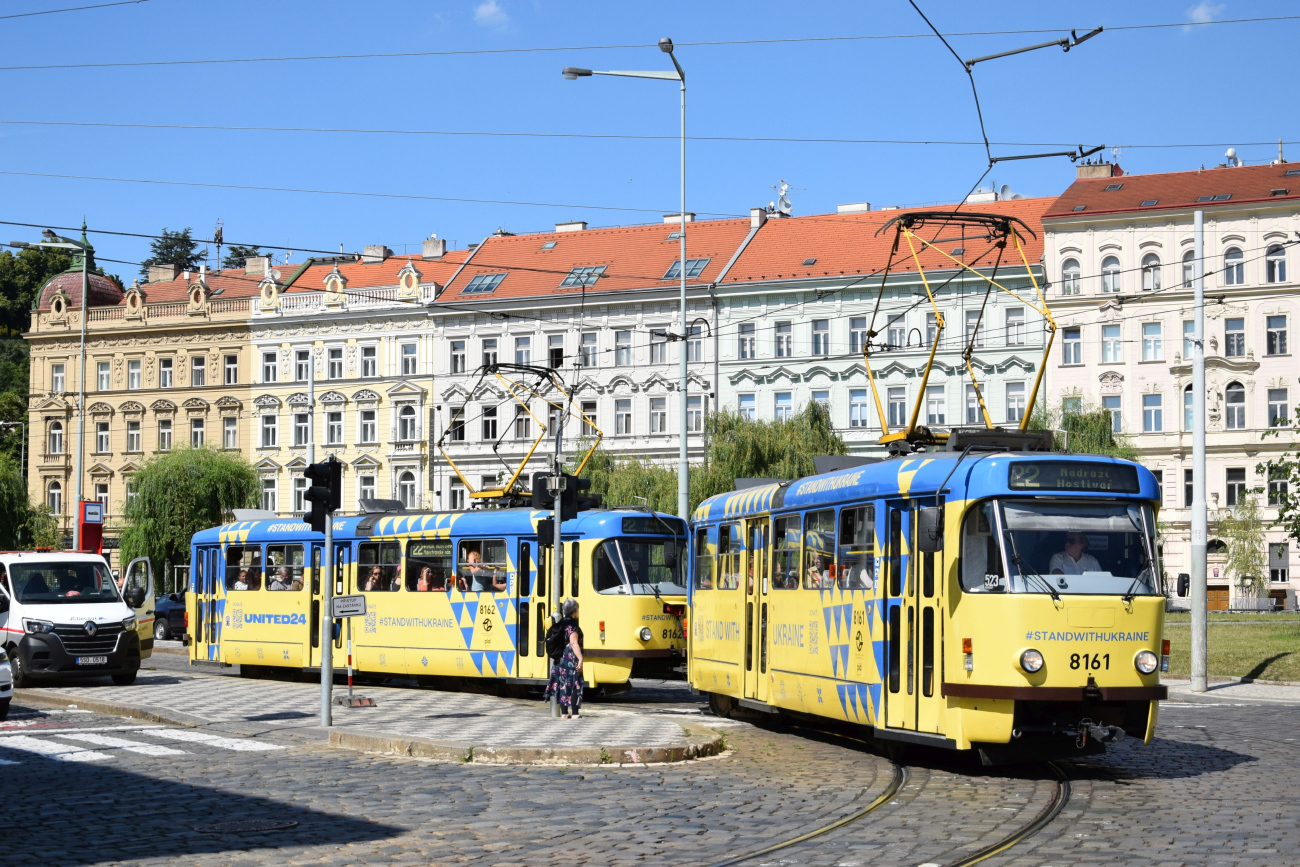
(556, 640)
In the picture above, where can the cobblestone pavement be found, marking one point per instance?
(1217, 787)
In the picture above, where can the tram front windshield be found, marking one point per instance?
(637, 566)
(1034, 546)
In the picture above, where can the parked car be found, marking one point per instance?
(169, 617)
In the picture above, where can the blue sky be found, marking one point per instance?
(1218, 85)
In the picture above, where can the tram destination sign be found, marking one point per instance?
(1072, 476)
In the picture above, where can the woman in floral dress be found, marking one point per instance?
(566, 674)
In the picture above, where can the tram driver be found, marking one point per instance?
(1075, 559)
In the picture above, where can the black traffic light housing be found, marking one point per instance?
(572, 500)
(326, 491)
(543, 499)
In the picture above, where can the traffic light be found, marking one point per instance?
(543, 499)
(326, 491)
(570, 500)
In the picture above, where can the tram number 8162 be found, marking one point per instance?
(1090, 662)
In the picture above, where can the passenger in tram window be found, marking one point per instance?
(819, 540)
(255, 578)
(483, 565)
(857, 549)
(374, 581)
(241, 583)
(425, 582)
(428, 565)
(786, 539)
(283, 580)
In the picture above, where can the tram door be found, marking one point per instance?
(312, 656)
(530, 618)
(912, 626)
(206, 585)
(757, 534)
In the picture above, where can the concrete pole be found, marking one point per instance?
(1199, 515)
(327, 627)
(557, 547)
(311, 404)
(683, 464)
(81, 397)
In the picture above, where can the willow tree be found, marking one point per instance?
(1086, 430)
(179, 493)
(23, 524)
(1242, 530)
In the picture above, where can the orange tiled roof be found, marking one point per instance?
(361, 275)
(848, 244)
(232, 282)
(1178, 190)
(635, 257)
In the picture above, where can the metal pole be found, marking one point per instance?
(683, 464)
(327, 626)
(1199, 516)
(81, 399)
(311, 404)
(557, 549)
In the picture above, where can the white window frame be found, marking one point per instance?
(133, 435)
(230, 432)
(369, 361)
(269, 431)
(166, 435)
(102, 438)
(133, 381)
(103, 376)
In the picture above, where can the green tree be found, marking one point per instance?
(179, 493)
(173, 248)
(23, 524)
(238, 255)
(1087, 430)
(1283, 475)
(1242, 530)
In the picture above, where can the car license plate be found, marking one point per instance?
(92, 660)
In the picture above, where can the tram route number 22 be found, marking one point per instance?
(1090, 662)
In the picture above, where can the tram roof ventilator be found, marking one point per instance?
(999, 439)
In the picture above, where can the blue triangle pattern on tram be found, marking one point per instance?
(456, 609)
(473, 609)
(508, 659)
(843, 650)
(468, 632)
(512, 630)
(874, 689)
(878, 649)
(477, 656)
(852, 693)
(862, 700)
(826, 615)
(842, 689)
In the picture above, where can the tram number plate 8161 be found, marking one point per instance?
(1090, 661)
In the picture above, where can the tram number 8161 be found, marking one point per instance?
(1090, 662)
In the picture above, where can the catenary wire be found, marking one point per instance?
(70, 9)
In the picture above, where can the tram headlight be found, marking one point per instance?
(1146, 661)
(1031, 661)
(645, 634)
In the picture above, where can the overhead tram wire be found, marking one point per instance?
(700, 44)
(70, 9)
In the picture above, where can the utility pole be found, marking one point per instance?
(311, 405)
(556, 484)
(1199, 516)
(81, 397)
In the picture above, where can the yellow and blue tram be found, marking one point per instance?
(451, 594)
(1008, 602)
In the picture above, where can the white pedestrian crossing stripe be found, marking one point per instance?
(122, 744)
(236, 744)
(53, 749)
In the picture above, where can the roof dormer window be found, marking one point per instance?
(1110, 188)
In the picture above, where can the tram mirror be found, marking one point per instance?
(929, 529)
(670, 554)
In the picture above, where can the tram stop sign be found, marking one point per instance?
(347, 606)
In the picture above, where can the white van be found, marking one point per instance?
(63, 616)
(6, 685)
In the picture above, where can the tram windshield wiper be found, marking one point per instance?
(1026, 571)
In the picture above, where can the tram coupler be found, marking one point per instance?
(1098, 733)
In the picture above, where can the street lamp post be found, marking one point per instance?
(573, 73)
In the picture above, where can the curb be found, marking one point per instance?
(696, 746)
(59, 700)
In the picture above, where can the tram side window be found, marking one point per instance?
(379, 567)
(605, 577)
(981, 556)
(729, 548)
(428, 565)
(858, 548)
(482, 565)
(819, 550)
(284, 565)
(786, 538)
(244, 567)
(703, 560)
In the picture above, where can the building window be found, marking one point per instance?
(821, 337)
(1189, 268)
(896, 333)
(1110, 275)
(585, 276)
(268, 367)
(1150, 273)
(1071, 405)
(230, 433)
(589, 417)
(334, 428)
(1235, 406)
(1015, 401)
(1277, 487)
(658, 347)
(410, 359)
(133, 436)
(301, 365)
(269, 498)
(973, 329)
(232, 369)
(101, 495)
(458, 356)
(658, 415)
(483, 284)
(131, 492)
(164, 373)
(897, 400)
(54, 498)
(270, 432)
(1279, 556)
(300, 494)
(301, 429)
(103, 377)
(1152, 413)
(623, 417)
(555, 351)
(1235, 480)
(695, 345)
(1275, 342)
(1070, 277)
(369, 428)
(1189, 340)
(622, 348)
(1234, 267)
(1111, 403)
(858, 408)
(694, 414)
(456, 498)
(1234, 337)
(1072, 345)
(694, 268)
(489, 423)
(973, 411)
(1188, 489)
(1152, 342)
(857, 334)
(1188, 407)
(1279, 412)
(57, 383)
(784, 340)
(931, 328)
(1111, 348)
(489, 351)
(334, 369)
(523, 350)
(587, 352)
(745, 341)
(455, 430)
(784, 406)
(198, 371)
(747, 406)
(1275, 264)
(370, 361)
(101, 437)
(133, 375)
(366, 487)
(935, 405)
(1016, 326)
(523, 423)
(823, 398)
(164, 435)
(406, 424)
(406, 489)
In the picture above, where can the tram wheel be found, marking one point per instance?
(720, 705)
